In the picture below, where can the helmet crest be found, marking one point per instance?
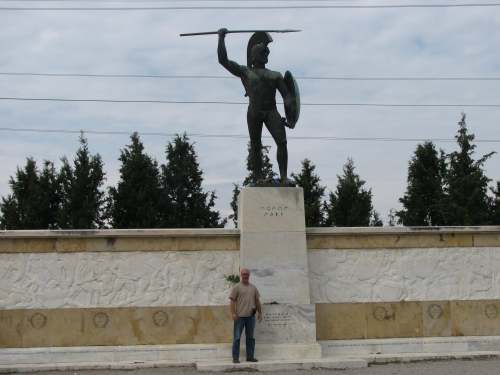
(257, 38)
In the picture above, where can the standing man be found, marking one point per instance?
(245, 303)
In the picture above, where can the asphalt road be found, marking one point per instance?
(456, 367)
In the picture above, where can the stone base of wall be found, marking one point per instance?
(151, 354)
(115, 326)
(374, 351)
(173, 325)
(428, 345)
(349, 321)
(115, 354)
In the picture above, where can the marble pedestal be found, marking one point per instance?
(273, 246)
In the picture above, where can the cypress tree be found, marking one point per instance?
(251, 178)
(35, 198)
(423, 200)
(184, 203)
(21, 209)
(50, 195)
(376, 221)
(267, 168)
(466, 202)
(350, 205)
(234, 204)
(134, 203)
(495, 205)
(313, 193)
(82, 196)
(9, 213)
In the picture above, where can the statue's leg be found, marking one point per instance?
(275, 126)
(255, 157)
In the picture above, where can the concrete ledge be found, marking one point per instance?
(226, 366)
(487, 229)
(410, 346)
(118, 240)
(264, 366)
(402, 237)
(114, 355)
(90, 366)
(422, 357)
(217, 357)
(120, 233)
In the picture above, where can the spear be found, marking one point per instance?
(242, 31)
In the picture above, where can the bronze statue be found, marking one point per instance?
(261, 85)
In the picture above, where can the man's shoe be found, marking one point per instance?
(236, 361)
(252, 360)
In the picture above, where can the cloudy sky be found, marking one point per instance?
(441, 42)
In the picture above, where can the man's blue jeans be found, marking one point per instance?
(249, 324)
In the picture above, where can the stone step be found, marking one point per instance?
(419, 357)
(334, 363)
(323, 363)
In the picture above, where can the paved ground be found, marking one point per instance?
(456, 367)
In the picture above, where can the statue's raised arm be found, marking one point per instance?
(233, 67)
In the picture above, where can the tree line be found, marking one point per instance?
(442, 189)
(147, 195)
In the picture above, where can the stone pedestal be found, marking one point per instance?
(273, 247)
(273, 242)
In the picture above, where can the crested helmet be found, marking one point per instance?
(260, 37)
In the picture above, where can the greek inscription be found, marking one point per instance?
(277, 319)
(160, 318)
(274, 211)
(491, 311)
(435, 311)
(101, 320)
(38, 320)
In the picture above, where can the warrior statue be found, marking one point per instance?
(260, 85)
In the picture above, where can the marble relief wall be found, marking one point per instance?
(124, 279)
(391, 275)
(197, 278)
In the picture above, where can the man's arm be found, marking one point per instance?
(231, 66)
(233, 296)
(232, 306)
(258, 306)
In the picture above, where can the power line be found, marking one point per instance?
(235, 136)
(201, 76)
(174, 1)
(222, 102)
(255, 7)
(177, 1)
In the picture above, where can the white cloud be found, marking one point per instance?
(421, 42)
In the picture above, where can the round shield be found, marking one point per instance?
(292, 102)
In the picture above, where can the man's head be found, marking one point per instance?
(260, 53)
(257, 50)
(245, 275)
